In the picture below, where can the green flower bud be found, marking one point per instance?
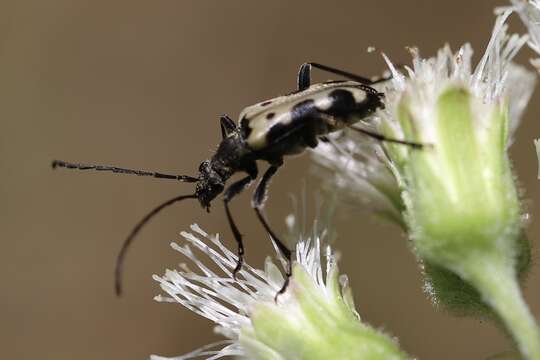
(463, 211)
(462, 207)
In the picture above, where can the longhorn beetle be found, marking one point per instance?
(269, 130)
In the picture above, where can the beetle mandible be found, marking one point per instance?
(269, 130)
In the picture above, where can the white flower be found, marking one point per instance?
(356, 166)
(314, 319)
(495, 79)
(363, 168)
(529, 12)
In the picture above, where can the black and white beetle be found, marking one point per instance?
(269, 130)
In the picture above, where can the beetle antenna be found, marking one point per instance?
(59, 163)
(133, 233)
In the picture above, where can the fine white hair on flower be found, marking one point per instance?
(495, 78)
(360, 166)
(529, 12)
(355, 166)
(227, 302)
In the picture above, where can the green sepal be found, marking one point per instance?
(315, 324)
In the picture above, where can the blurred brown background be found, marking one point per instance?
(141, 84)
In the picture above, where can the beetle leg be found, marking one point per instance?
(227, 126)
(383, 138)
(305, 70)
(304, 77)
(233, 190)
(257, 202)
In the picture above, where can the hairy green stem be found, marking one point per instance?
(499, 287)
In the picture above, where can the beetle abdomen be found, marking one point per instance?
(318, 110)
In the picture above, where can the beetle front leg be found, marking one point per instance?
(257, 202)
(233, 190)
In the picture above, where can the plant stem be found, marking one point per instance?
(499, 287)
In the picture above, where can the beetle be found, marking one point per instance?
(268, 131)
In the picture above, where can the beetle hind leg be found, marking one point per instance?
(304, 75)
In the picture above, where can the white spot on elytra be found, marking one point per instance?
(359, 95)
(324, 103)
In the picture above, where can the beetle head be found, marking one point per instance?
(210, 184)
(376, 100)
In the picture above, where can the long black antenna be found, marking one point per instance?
(133, 233)
(118, 170)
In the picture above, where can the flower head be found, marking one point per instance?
(314, 319)
(459, 199)
(358, 168)
(366, 169)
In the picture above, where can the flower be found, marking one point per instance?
(529, 12)
(357, 167)
(460, 203)
(314, 319)
(361, 166)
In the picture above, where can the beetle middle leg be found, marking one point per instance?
(233, 190)
(257, 202)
